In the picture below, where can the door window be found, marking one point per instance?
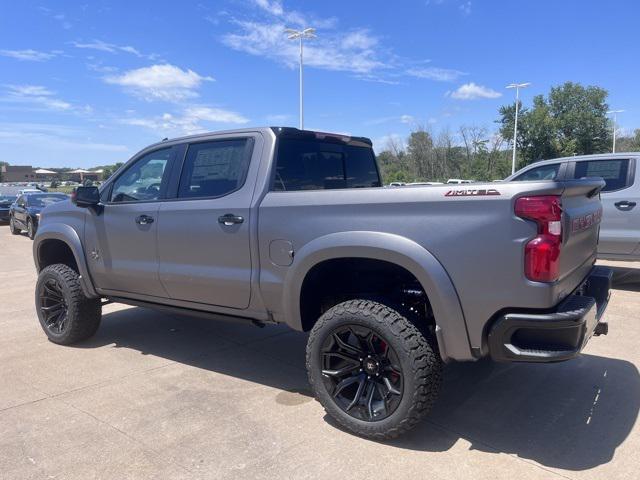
(543, 172)
(144, 179)
(214, 169)
(614, 172)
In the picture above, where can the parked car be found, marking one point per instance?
(25, 211)
(279, 225)
(620, 227)
(458, 181)
(5, 206)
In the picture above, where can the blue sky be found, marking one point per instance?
(89, 83)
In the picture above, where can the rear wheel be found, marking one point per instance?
(372, 369)
(12, 226)
(65, 314)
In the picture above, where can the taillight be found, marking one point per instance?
(542, 254)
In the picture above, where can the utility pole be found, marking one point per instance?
(300, 35)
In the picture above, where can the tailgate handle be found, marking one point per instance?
(625, 205)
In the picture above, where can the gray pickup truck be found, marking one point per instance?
(278, 225)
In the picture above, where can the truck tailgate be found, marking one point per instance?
(581, 215)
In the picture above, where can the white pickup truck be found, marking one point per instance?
(620, 227)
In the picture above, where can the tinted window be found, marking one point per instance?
(544, 172)
(614, 172)
(142, 181)
(213, 169)
(315, 165)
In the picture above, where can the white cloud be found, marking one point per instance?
(103, 46)
(28, 54)
(465, 8)
(36, 95)
(471, 91)
(189, 121)
(160, 82)
(436, 73)
(350, 52)
(406, 119)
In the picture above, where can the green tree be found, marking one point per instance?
(572, 120)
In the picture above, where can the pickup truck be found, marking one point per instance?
(620, 227)
(279, 225)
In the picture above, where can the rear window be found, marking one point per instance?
(306, 164)
(543, 172)
(44, 200)
(614, 172)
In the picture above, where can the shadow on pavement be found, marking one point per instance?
(570, 415)
(626, 278)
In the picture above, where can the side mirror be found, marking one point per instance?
(86, 197)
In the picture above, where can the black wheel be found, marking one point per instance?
(31, 230)
(12, 226)
(65, 314)
(372, 370)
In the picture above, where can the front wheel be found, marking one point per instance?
(12, 227)
(65, 314)
(372, 369)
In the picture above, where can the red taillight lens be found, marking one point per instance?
(542, 254)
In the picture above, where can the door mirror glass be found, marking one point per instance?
(86, 197)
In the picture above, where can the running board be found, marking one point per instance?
(186, 311)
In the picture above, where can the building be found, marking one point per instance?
(18, 173)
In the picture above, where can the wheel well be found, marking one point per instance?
(55, 251)
(334, 281)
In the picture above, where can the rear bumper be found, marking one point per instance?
(556, 335)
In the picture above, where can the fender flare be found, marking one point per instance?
(66, 234)
(451, 330)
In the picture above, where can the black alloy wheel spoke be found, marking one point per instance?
(360, 371)
(53, 307)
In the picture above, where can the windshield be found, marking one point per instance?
(7, 198)
(42, 201)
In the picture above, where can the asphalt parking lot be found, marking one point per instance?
(159, 396)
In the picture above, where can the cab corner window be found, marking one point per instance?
(214, 169)
(543, 172)
(143, 180)
(305, 164)
(614, 172)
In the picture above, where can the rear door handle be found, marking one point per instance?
(625, 205)
(230, 219)
(144, 220)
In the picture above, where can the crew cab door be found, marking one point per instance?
(620, 227)
(204, 228)
(120, 241)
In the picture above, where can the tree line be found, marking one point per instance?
(570, 120)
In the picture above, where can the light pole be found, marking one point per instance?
(615, 119)
(517, 86)
(300, 35)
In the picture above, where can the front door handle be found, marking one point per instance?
(230, 219)
(625, 205)
(144, 220)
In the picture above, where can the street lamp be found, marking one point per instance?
(615, 118)
(300, 35)
(517, 86)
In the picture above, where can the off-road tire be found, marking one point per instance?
(12, 227)
(83, 314)
(416, 350)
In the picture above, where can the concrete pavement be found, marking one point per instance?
(162, 397)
